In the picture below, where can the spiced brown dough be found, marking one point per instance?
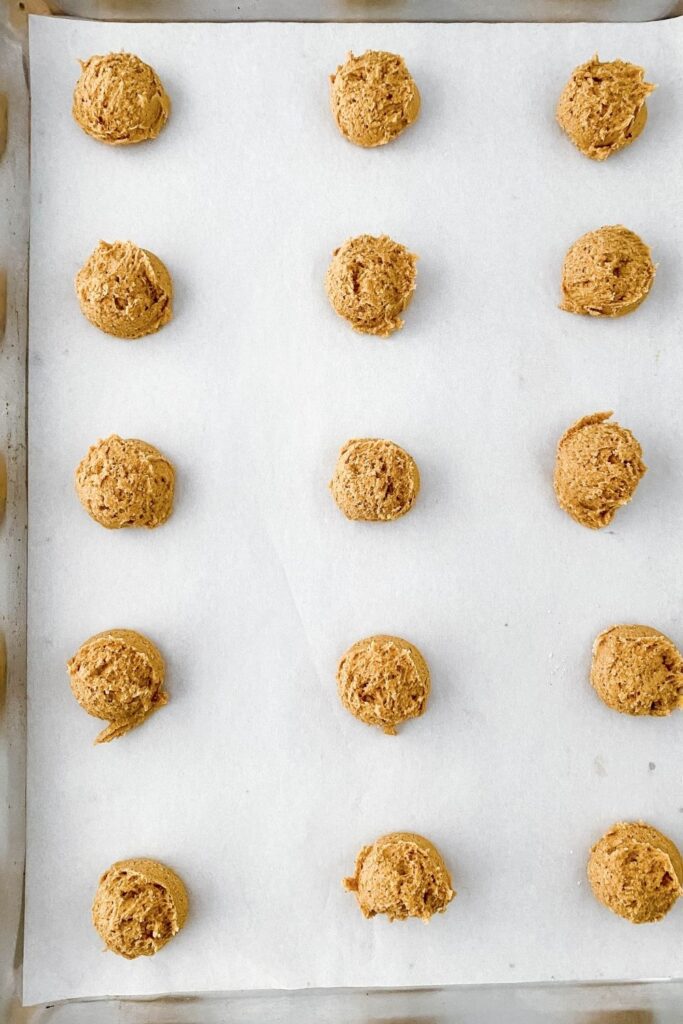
(636, 872)
(139, 906)
(598, 467)
(125, 482)
(607, 273)
(370, 282)
(637, 670)
(374, 98)
(602, 107)
(124, 290)
(383, 681)
(119, 99)
(374, 480)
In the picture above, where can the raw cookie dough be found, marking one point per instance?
(139, 905)
(602, 107)
(597, 469)
(401, 875)
(118, 676)
(637, 670)
(607, 272)
(125, 482)
(124, 290)
(374, 480)
(383, 681)
(370, 282)
(119, 99)
(636, 872)
(374, 98)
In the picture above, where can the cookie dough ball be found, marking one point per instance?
(383, 681)
(124, 290)
(374, 480)
(125, 482)
(637, 670)
(118, 676)
(401, 875)
(607, 272)
(597, 469)
(602, 107)
(636, 872)
(370, 282)
(139, 905)
(119, 99)
(374, 98)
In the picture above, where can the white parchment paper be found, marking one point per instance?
(253, 783)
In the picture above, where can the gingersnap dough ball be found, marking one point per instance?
(607, 272)
(374, 98)
(118, 676)
(597, 469)
(370, 282)
(602, 107)
(374, 480)
(637, 670)
(383, 681)
(139, 905)
(401, 875)
(119, 99)
(124, 290)
(636, 871)
(125, 482)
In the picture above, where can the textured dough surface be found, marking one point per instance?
(374, 480)
(124, 290)
(597, 469)
(125, 482)
(637, 670)
(636, 872)
(374, 98)
(370, 282)
(118, 676)
(139, 905)
(608, 272)
(602, 107)
(119, 99)
(383, 681)
(401, 875)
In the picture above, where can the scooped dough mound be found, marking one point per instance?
(370, 282)
(374, 98)
(637, 670)
(607, 272)
(401, 875)
(383, 681)
(597, 469)
(602, 107)
(118, 676)
(636, 871)
(125, 482)
(139, 905)
(119, 99)
(374, 480)
(124, 290)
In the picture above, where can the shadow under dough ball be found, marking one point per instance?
(383, 681)
(637, 670)
(118, 676)
(607, 273)
(370, 282)
(119, 99)
(374, 98)
(401, 875)
(636, 872)
(125, 482)
(602, 108)
(374, 480)
(124, 290)
(598, 467)
(139, 906)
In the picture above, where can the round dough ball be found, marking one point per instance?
(124, 290)
(374, 98)
(125, 482)
(637, 670)
(607, 272)
(401, 875)
(597, 469)
(370, 282)
(374, 480)
(636, 872)
(119, 99)
(383, 681)
(139, 905)
(118, 676)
